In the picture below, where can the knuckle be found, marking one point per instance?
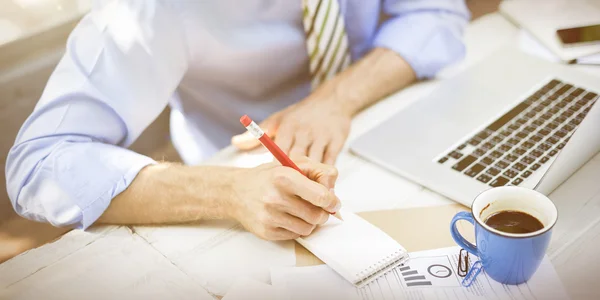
(315, 216)
(334, 149)
(281, 178)
(323, 217)
(330, 151)
(263, 232)
(306, 230)
(333, 172)
(305, 134)
(270, 206)
(323, 198)
(301, 159)
(288, 126)
(270, 233)
(272, 201)
(297, 150)
(265, 219)
(266, 235)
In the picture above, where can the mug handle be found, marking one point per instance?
(458, 238)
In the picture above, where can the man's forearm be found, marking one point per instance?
(173, 193)
(378, 74)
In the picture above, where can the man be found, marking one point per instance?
(304, 67)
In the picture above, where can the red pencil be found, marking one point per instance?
(266, 141)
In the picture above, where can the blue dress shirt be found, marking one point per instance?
(212, 61)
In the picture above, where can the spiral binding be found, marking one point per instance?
(391, 261)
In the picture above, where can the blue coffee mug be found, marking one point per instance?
(508, 258)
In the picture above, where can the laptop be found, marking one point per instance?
(511, 119)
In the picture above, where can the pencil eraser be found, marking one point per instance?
(245, 120)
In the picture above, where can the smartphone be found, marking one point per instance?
(576, 36)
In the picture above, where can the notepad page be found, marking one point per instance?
(352, 247)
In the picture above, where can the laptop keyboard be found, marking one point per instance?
(518, 143)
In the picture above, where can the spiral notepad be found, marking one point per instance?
(354, 248)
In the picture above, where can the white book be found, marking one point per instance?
(356, 249)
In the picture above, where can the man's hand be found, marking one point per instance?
(279, 203)
(318, 126)
(272, 201)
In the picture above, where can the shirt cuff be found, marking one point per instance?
(427, 41)
(95, 209)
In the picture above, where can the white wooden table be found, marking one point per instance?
(149, 263)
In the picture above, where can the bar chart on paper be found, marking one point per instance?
(429, 276)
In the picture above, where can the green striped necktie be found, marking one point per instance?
(326, 39)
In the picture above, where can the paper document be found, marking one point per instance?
(248, 289)
(428, 275)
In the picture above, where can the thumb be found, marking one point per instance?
(246, 141)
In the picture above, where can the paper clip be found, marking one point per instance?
(463, 263)
(475, 270)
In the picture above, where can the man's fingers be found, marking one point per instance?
(302, 140)
(322, 173)
(302, 209)
(292, 182)
(333, 150)
(285, 139)
(294, 224)
(244, 141)
(280, 234)
(317, 149)
(271, 124)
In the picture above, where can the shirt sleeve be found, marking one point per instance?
(426, 33)
(121, 66)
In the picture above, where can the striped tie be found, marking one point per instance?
(326, 39)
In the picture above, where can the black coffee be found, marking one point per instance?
(512, 221)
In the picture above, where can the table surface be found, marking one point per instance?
(573, 249)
